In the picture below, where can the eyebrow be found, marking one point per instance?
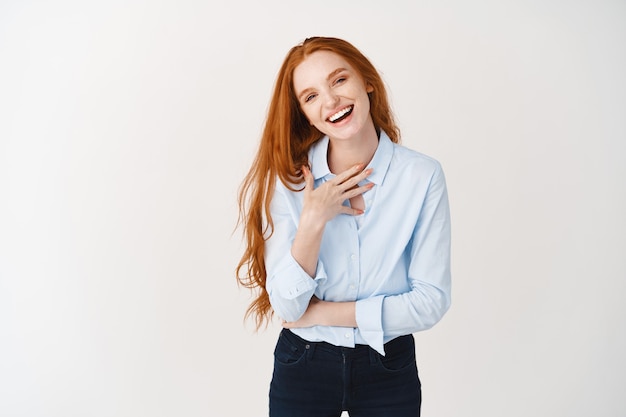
(331, 75)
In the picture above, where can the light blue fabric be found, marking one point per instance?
(394, 262)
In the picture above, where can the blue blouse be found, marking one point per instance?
(393, 260)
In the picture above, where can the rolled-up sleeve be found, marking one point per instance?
(289, 287)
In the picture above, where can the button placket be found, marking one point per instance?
(354, 259)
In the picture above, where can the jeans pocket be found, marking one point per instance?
(288, 352)
(399, 355)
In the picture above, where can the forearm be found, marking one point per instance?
(341, 314)
(305, 248)
(326, 313)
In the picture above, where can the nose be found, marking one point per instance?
(331, 99)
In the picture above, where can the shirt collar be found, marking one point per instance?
(380, 161)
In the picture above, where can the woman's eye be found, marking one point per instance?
(309, 98)
(340, 80)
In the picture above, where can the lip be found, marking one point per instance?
(336, 110)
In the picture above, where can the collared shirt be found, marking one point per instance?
(393, 260)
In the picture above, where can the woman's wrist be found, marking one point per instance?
(311, 223)
(339, 314)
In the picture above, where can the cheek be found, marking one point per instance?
(309, 115)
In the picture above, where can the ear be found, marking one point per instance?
(369, 88)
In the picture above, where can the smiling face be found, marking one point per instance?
(333, 96)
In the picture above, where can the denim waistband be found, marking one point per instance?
(357, 350)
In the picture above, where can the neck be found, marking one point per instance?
(345, 153)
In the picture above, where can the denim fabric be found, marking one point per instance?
(317, 379)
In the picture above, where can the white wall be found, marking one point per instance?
(126, 128)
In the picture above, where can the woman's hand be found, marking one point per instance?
(310, 318)
(321, 205)
(326, 201)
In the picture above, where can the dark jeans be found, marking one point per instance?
(321, 380)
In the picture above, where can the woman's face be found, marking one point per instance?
(332, 95)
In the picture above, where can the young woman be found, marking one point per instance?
(348, 240)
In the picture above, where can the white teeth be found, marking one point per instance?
(339, 114)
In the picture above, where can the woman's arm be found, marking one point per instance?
(292, 252)
(326, 313)
(428, 276)
(321, 205)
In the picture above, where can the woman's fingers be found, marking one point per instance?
(328, 199)
(351, 211)
(347, 183)
(349, 173)
(355, 180)
(351, 177)
(308, 178)
(345, 180)
(354, 191)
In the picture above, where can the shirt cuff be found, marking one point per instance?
(299, 282)
(369, 313)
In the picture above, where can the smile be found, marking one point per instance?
(341, 114)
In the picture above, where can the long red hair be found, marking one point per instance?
(283, 149)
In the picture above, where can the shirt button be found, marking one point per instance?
(353, 256)
(347, 335)
(351, 287)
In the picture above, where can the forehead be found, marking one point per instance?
(316, 67)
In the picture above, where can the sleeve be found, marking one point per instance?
(429, 276)
(289, 287)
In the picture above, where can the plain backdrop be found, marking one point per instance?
(126, 128)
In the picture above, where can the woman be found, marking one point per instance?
(348, 239)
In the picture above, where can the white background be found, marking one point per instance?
(127, 127)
